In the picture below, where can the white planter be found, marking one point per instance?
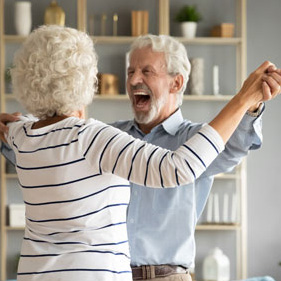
(188, 29)
(23, 18)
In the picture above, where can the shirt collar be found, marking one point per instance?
(170, 125)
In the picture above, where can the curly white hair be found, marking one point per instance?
(55, 71)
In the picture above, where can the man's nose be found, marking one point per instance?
(136, 78)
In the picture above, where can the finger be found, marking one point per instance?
(278, 71)
(5, 117)
(264, 67)
(273, 84)
(266, 91)
(3, 128)
(276, 77)
(271, 68)
(17, 114)
(2, 138)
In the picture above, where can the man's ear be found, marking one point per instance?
(176, 84)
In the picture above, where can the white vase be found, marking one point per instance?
(23, 17)
(196, 80)
(216, 266)
(188, 29)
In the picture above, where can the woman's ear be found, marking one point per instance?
(176, 84)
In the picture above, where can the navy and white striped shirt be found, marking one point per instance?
(74, 179)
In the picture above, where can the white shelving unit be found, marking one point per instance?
(238, 42)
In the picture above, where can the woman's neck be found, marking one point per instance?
(48, 121)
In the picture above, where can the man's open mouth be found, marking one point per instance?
(141, 99)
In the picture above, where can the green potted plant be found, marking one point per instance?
(8, 80)
(188, 16)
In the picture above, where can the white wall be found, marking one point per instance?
(264, 184)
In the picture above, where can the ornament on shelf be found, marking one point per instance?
(115, 24)
(216, 88)
(216, 208)
(23, 17)
(91, 24)
(54, 14)
(108, 84)
(216, 266)
(196, 81)
(103, 24)
(224, 212)
(140, 22)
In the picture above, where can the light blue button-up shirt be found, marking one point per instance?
(161, 222)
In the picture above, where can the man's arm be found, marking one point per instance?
(5, 150)
(247, 136)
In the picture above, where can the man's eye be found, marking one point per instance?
(146, 71)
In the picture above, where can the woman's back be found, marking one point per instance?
(76, 217)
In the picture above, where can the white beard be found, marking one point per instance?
(156, 106)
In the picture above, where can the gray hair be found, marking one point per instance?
(175, 53)
(55, 71)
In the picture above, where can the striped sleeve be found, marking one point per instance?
(109, 150)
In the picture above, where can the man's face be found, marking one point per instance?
(148, 86)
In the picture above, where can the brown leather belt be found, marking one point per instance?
(145, 272)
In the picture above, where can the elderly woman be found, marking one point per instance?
(74, 173)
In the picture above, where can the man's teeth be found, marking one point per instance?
(140, 93)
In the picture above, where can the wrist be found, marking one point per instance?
(257, 111)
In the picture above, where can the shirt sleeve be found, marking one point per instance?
(8, 153)
(6, 149)
(247, 136)
(112, 151)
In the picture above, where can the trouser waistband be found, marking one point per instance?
(145, 272)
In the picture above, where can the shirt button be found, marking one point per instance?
(132, 220)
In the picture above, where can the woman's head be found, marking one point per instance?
(55, 71)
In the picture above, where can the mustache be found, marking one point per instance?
(140, 87)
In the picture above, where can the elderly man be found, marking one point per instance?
(156, 80)
(157, 77)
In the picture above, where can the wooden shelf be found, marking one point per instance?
(14, 228)
(185, 97)
(219, 176)
(14, 38)
(210, 41)
(10, 97)
(11, 176)
(227, 176)
(130, 39)
(218, 227)
(124, 97)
